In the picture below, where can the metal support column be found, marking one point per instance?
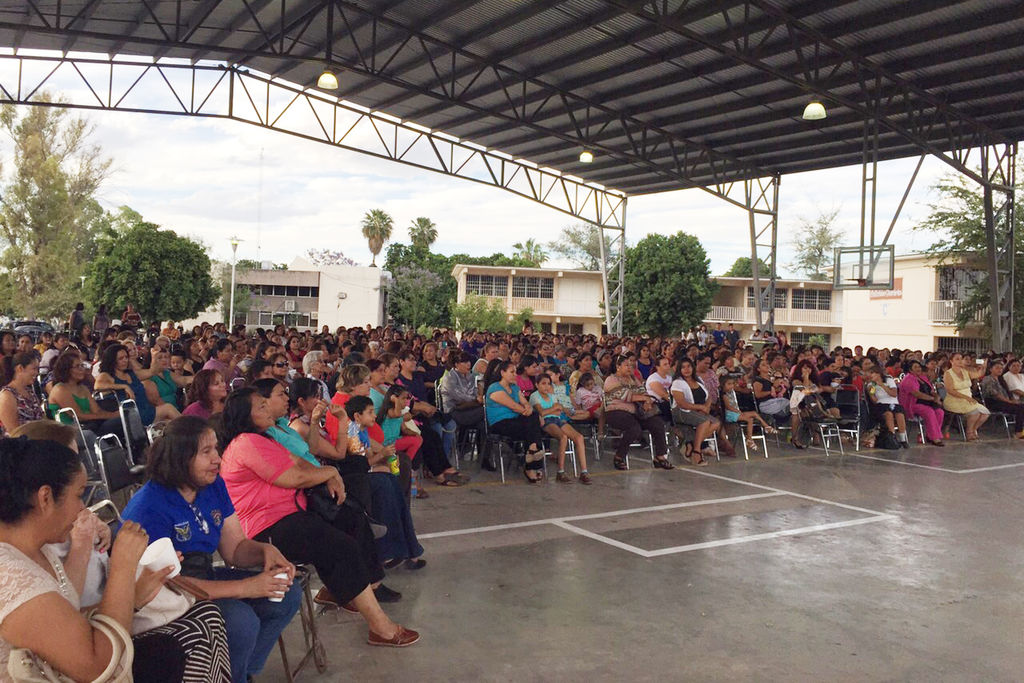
(762, 200)
(998, 169)
(613, 271)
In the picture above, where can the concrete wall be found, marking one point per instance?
(352, 296)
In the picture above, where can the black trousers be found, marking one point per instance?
(343, 552)
(632, 430)
(524, 428)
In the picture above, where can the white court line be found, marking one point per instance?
(765, 536)
(596, 515)
(784, 492)
(603, 539)
(939, 469)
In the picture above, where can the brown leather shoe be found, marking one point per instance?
(404, 637)
(324, 597)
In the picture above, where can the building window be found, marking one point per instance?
(569, 328)
(279, 290)
(314, 292)
(304, 291)
(780, 296)
(487, 285)
(957, 282)
(812, 299)
(533, 287)
(804, 338)
(959, 345)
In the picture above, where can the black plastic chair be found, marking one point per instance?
(136, 436)
(116, 469)
(848, 402)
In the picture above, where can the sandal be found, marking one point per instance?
(526, 473)
(771, 430)
(752, 445)
(698, 461)
(449, 480)
(534, 456)
(620, 463)
(663, 463)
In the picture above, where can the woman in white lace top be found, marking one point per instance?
(41, 486)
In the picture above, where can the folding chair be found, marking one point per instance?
(116, 469)
(827, 430)
(311, 636)
(1008, 420)
(759, 435)
(135, 433)
(591, 427)
(492, 440)
(915, 420)
(848, 402)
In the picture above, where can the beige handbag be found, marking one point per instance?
(25, 667)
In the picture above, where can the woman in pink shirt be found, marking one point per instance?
(266, 487)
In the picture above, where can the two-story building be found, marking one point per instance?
(803, 308)
(562, 301)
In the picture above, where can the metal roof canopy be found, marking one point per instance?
(668, 94)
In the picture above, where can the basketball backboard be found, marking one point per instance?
(864, 267)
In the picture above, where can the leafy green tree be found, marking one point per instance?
(377, 227)
(579, 243)
(243, 295)
(250, 264)
(48, 213)
(743, 267)
(413, 295)
(814, 243)
(422, 233)
(957, 220)
(530, 251)
(165, 276)
(668, 285)
(402, 255)
(488, 315)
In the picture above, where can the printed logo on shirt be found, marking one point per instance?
(218, 518)
(183, 532)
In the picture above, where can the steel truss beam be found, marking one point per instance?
(822, 63)
(381, 44)
(227, 92)
(762, 197)
(613, 271)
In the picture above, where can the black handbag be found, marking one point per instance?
(320, 502)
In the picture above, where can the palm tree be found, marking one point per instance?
(531, 251)
(422, 232)
(377, 226)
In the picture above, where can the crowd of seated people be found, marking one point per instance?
(279, 447)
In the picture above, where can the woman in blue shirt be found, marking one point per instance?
(509, 414)
(186, 500)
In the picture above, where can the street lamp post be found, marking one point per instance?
(234, 260)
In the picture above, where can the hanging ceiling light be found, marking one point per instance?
(327, 80)
(586, 157)
(814, 111)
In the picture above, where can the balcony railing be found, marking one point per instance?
(520, 303)
(945, 312)
(788, 316)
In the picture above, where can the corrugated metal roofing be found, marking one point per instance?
(541, 79)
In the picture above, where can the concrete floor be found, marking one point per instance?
(803, 568)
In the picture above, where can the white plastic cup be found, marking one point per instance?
(282, 575)
(159, 555)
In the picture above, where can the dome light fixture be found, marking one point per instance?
(327, 80)
(814, 111)
(586, 157)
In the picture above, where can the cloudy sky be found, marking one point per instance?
(205, 178)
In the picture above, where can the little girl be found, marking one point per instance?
(556, 424)
(733, 413)
(589, 398)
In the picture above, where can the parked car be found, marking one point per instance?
(33, 328)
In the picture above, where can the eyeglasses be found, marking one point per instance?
(280, 365)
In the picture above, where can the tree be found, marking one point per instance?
(48, 214)
(251, 264)
(412, 296)
(743, 267)
(328, 257)
(165, 276)
(480, 313)
(422, 233)
(530, 251)
(958, 221)
(668, 285)
(815, 242)
(580, 244)
(377, 227)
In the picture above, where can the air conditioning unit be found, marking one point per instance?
(289, 305)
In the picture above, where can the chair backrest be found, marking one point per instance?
(848, 397)
(236, 383)
(136, 436)
(87, 454)
(67, 416)
(115, 466)
(107, 400)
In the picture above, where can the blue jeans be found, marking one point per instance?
(253, 624)
(446, 430)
